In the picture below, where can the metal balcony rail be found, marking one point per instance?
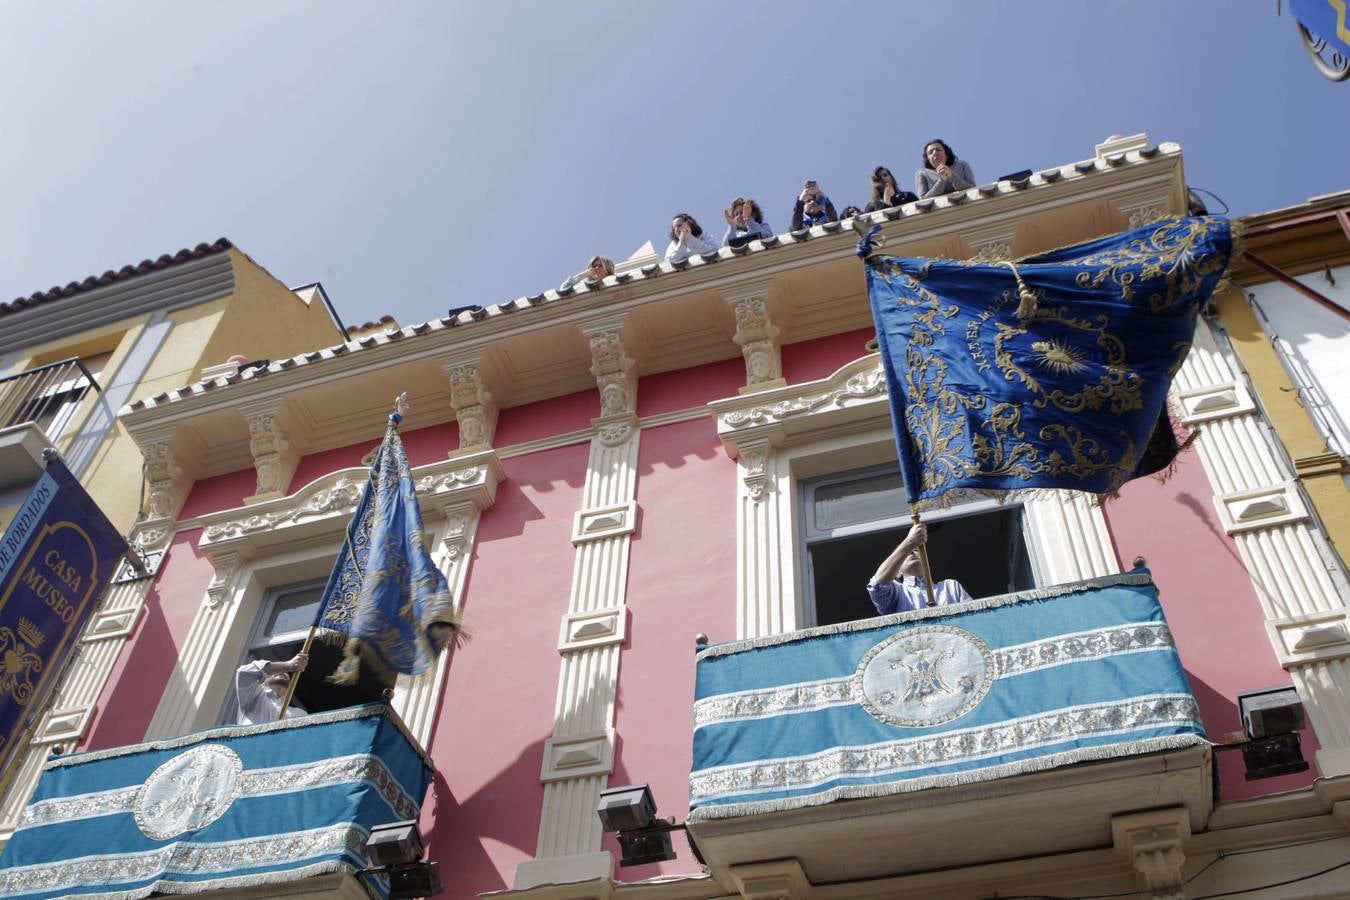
(38, 395)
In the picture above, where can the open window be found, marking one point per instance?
(284, 621)
(852, 521)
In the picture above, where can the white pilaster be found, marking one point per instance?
(579, 755)
(1260, 506)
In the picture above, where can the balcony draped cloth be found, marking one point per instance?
(988, 689)
(225, 808)
(1051, 372)
(385, 595)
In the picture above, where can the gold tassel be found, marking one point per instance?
(349, 670)
(1026, 305)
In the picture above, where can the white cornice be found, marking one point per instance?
(1100, 179)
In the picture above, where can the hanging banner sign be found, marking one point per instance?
(56, 560)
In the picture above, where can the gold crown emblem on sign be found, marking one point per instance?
(31, 633)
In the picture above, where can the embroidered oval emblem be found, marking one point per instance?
(190, 791)
(925, 676)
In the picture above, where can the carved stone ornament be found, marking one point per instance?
(160, 472)
(267, 443)
(607, 356)
(993, 251)
(471, 403)
(1144, 215)
(431, 484)
(226, 566)
(616, 432)
(761, 361)
(862, 386)
(339, 498)
(754, 462)
(456, 528)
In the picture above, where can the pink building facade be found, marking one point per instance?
(704, 453)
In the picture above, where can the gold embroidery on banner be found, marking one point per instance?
(960, 434)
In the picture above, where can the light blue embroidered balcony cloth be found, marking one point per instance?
(984, 690)
(228, 807)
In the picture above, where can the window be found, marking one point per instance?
(50, 394)
(852, 521)
(279, 632)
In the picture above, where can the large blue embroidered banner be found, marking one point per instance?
(229, 807)
(987, 689)
(386, 602)
(1048, 373)
(56, 559)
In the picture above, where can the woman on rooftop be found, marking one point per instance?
(885, 192)
(745, 223)
(686, 239)
(595, 270)
(942, 172)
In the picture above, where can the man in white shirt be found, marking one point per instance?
(261, 686)
(898, 586)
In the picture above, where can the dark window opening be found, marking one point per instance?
(280, 632)
(852, 522)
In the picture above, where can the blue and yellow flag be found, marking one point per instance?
(1049, 373)
(385, 599)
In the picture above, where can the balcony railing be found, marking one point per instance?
(1068, 704)
(41, 395)
(234, 807)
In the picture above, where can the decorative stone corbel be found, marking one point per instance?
(757, 335)
(474, 410)
(782, 879)
(1154, 844)
(1144, 206)
(227, 565)
(165, 479)
(272, 441)
(614, 375)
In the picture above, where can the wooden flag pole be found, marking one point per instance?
(295, 676)
(923, 561)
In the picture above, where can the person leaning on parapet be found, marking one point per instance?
(686, 239)
(261, 686)
(885, 192)
(898, 586)
(812, 207)
(942, 172)
(595, 270)
(745, 223)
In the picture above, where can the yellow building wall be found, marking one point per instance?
(260, 319)
(1320, 474)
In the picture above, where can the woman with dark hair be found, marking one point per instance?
(686, 239)
(942, 172)
(595, 270)
(745, 222)
(849, 212)
(885, 192)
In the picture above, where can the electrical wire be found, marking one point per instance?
(1266, 887)
(1211, 194)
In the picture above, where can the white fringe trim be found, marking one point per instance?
(229, 731)
(954, 779)
(919, 615)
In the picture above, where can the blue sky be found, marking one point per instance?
(418, 155)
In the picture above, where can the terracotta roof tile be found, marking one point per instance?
(109, 277)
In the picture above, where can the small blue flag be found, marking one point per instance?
(1048, 373)
(385, 599)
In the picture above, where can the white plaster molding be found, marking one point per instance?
(1301, 640)
(1124, 144)
(472, 401)
(1264, 507)
(781, 879)
(166, 481)
(756, 335)
(992, 243)
(578, 755)
(604, 521)
(1216, 401)
(615, 430)
(614, 371)
(1143, 206)
(579, 630)
(592, 873)
(858, 388)
(63, 725)
(1154, 842)
(109, 624)
(274, 446)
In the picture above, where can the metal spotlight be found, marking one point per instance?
(1271, 720)
(395, 851)
(630, 812)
